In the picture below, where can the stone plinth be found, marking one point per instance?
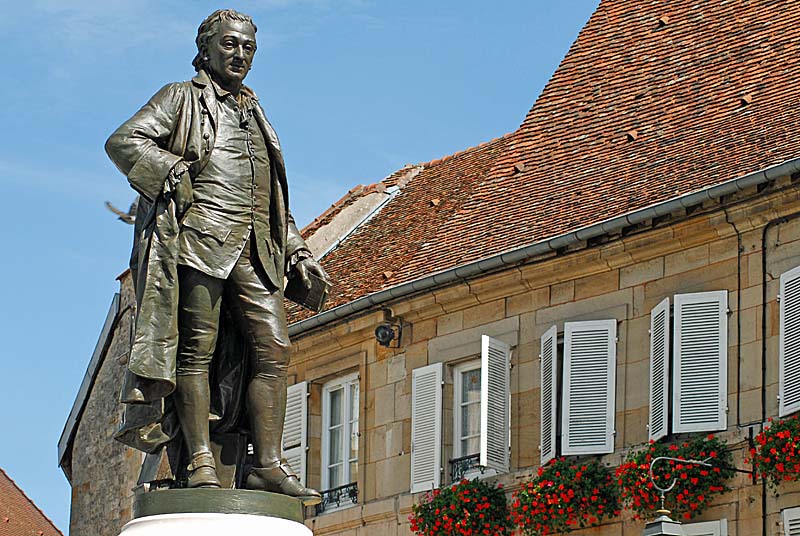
(213, 525)
(207, 512)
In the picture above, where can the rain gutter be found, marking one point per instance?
(519, 255)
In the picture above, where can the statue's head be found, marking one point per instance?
(226, 44)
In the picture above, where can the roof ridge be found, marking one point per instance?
(467, 150)
(14, 483)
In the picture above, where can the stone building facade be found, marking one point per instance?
(719, 248)
(659, 163)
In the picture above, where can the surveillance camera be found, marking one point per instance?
(385, 333)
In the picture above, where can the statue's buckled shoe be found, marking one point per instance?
(282, 479)
(203, 471)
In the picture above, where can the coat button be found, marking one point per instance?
(206, 135)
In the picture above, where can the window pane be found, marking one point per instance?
(336, 407)
(354, 400)
(470, 446)
(335, 476)
(470, 420)
(334, 446)
(471, 386)
(353, 472)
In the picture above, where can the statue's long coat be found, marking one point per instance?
(178, 124)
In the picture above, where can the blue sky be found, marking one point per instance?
(355, 88)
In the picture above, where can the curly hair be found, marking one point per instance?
(209, 28)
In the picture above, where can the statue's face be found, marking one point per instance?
(231, 51)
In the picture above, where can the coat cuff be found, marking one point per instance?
(296, 257)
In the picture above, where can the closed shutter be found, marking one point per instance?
(707, 528)
(658, 425)
(789, 343)
(590, 360)
(293, 443)
(495, 403)
(549, 386)
(791, 521)
(701, 362)
(426, 427)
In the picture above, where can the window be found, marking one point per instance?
(588, 394)
(698, 356)
(467, 409)
(340, 432)
(481, 424)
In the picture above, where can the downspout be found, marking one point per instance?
(519, 255)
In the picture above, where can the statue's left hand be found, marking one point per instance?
(310, 265)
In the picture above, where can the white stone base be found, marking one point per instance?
(213, 525)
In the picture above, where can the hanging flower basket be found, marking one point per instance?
(776, 456)
(696, 485)
(565, 495)
(469, 508)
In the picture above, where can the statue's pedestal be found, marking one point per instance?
(215, 512)
(213, 525)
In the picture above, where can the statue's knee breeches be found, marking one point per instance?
(270, 359)
(198, 320)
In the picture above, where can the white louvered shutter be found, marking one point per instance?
(658, 423)
(707, 528)
(495, 403)
(789, 343)
(700, 345)
(590, 360)
(549, 388)
(293, 443)
(426, 427)
(791, 521)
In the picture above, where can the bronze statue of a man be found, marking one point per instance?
(214, 239)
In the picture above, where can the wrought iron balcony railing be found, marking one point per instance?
(336, 497)
(461, 466)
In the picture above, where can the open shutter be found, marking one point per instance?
(426, 427)
(293, 443)
(791, 521)
(707, 528)
(701, 362)
(495, 403)
(549, 385)
(590, 361)
(658, 425)
(789, 343)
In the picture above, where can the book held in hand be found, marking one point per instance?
(311, 298)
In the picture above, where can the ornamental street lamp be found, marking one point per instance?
(663, 525)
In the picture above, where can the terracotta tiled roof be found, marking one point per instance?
(655, 99)
(351, 197)
(367, 261)
(18, 515)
